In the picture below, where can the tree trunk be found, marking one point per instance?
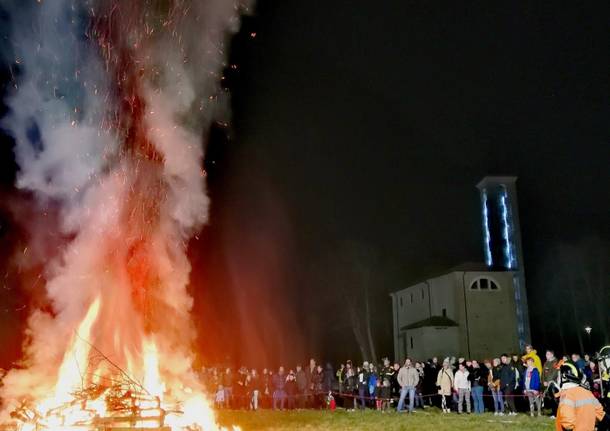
(369, 331)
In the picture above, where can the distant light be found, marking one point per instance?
(253, 34)
(588, 330)
(487, 236)
(508, 249)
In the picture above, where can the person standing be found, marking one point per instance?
(429, 387)
(530, 352)
(301, 383)
(339, 375)
(444, 383)
(419, 397)
(351, 387)
(317, 387)
(279, 389)
(462, 386)
(227, 384)
(549, 376)
(479, 381)
(363, 384)
(578, 408)
(310, 371)
(494, 386)
(253, 388)
(291, 390)
(408, 377)
(532, 386)
(508, 383)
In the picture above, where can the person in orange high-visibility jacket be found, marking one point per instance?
(578, 408)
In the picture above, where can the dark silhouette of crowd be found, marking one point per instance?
(505, 385)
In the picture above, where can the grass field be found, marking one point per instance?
(371, 420)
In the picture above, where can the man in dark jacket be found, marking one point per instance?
(508, 383)
(301, 382)
(549, 375)
(279, 389)
(479, 375)
(363, 384)
(309, 372)
(227, 384)
(429, 387)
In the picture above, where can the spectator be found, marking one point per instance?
(339, 375)
(240, 389)
(408, 377)
(351, 386)
(419, 397)
(266, 388)
(279, 389)
(309, 372)
(378, 395)
(530, 352)
(291, 390)
(219, 399)
(494, 386)
(532, 386)
(508, 383)
(317, 381)
(579, 362)
(373, 378)
(479, 381)
(386, 394)
(549, 375)
(363, 384)
(227, 383)
(462, 386)
(429, 385)
(301, 386)
(444, 383)
(253, 387)
(395, 384)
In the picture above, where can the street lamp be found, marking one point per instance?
(588, 330)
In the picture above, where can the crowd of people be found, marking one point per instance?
(505, 385)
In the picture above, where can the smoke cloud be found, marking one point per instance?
(110, 104)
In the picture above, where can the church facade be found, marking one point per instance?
(467, 312)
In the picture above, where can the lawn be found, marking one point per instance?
(371, 420)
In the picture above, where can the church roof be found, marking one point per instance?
(431, 321)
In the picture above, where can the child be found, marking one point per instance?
(532, 387)
(378, 400)
(219, 401)
(386, 394)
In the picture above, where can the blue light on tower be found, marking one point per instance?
(509, 255)
(486, 234)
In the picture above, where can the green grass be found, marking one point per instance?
(368, 420)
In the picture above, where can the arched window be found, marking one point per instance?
(484, 284)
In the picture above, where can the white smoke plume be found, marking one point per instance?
(110, 104)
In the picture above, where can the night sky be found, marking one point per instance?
(366, 125)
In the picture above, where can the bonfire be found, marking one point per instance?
(109, 105)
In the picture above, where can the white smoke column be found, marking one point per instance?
(129, 204)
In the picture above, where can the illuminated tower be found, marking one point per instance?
(502, 240)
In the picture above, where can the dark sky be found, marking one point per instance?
(370, 123)
(373, 121)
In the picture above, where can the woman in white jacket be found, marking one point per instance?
(462, 386)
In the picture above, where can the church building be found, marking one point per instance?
(475, 310)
